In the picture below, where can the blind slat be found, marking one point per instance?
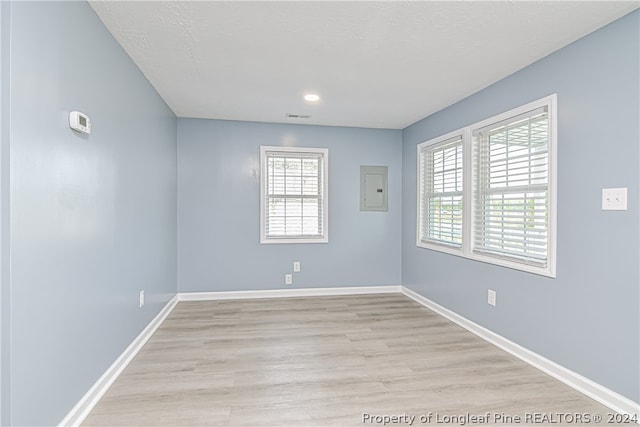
(533, 115)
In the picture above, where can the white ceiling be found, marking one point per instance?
(375, 64)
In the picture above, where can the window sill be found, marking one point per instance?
(286, 240)
(548, 271)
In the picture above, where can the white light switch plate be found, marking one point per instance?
(491, 297)
(614, 199)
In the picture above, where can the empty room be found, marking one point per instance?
(319, 213)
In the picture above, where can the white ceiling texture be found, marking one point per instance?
(383, 64)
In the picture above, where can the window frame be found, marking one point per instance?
(468, 200)
(321, 152)
(442, 247)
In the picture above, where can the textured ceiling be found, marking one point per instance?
(375, 64)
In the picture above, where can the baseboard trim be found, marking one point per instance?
(287, 293)
(79, 412)
(590, 388)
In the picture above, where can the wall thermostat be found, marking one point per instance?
(79, 122)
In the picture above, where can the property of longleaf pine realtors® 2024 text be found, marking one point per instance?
(496, 418)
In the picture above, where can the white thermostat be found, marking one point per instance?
(79, 122)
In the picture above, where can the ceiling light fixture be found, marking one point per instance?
(312, 97)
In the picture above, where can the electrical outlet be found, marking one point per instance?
(288, 279)
(491, 297)
(141, 299)
(296, 266)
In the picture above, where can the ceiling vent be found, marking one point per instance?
(297, 116)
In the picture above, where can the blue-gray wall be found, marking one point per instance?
(93, 218)
(218, 209)
(588, 318)
(5, 371)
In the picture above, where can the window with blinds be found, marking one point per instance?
(487, 191)
(511, 188)
(294, 202)
(441, 168)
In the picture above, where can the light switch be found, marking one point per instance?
(614, 199)
(491, 297)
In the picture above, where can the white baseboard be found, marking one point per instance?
(287, 293)
(79, 412)
(582, 384)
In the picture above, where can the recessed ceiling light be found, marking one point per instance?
(312, 97)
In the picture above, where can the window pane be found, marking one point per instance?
(441, 210)
(511, 189)
(293, 194)
(293, 207)
(310, 167)
(294, 166)
(293, 185)
(311, 225)
(310, 185)
(310, 207)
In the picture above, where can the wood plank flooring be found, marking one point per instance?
(324, 361)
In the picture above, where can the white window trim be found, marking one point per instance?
(264, 239)
(467, 250)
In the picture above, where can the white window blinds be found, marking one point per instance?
(487, 191)
(441, 166)
(294, 194)
(511, 188)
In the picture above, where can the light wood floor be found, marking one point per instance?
(322, 361)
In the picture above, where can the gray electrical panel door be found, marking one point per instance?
(373, 188)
